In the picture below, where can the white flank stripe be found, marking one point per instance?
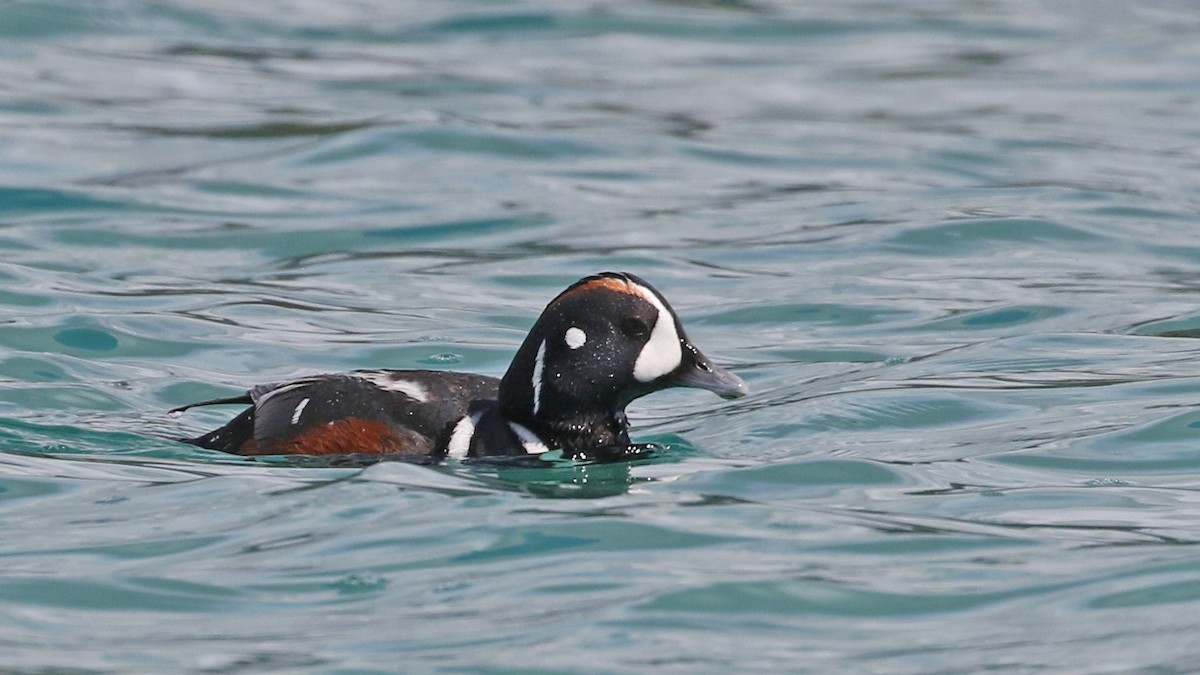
(662, 352)
(538, 363)
(460, 439)
(299, 409)
(533, 444)
(414, 390)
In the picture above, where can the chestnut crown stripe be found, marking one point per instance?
(607, 281)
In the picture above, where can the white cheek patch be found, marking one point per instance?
(575, 337)
(663, 351)
(538, 364)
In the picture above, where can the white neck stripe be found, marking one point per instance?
(538, 364)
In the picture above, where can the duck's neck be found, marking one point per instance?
(581, 434)
(575, 432)
(559, 418)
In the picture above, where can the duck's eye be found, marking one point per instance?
(634, 327)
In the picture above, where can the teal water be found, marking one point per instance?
(952, 247)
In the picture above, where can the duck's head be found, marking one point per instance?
(601, 343)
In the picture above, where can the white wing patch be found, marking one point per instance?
(575, 337)
(299, 410)
(260, 397)
(663, 352)
(538, 364)
(460, 438)
(385, 381)
(533, 444)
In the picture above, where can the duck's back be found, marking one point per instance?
(386, 412)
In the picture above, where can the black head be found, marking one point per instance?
(603, 342)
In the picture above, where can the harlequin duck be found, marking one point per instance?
(601, 343)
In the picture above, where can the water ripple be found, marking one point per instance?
(949, 247)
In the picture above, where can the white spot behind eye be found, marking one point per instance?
(575, 337)
(538, 363)
(662, 353)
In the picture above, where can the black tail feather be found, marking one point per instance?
(230, 437)
(244, 399)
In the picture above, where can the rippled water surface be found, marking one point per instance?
(954, 247)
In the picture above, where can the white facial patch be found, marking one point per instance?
(538, 364)
(299, 410)
(663, 351)
(414, 390)
(575, 337)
